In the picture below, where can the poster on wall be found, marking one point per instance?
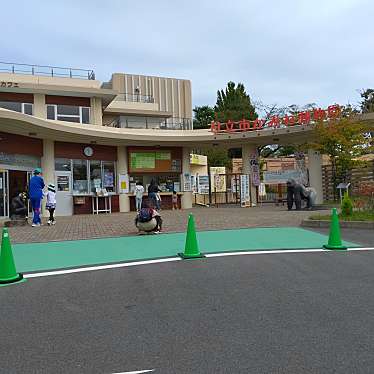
(123, 183)
(108, 179)
(203, 184)
(218, 178)
(194, 183)
(187, 182)
(244, 191)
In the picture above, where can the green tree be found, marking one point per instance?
(342, 140)
(203, 116)
(217, 157)
(367, 103)
(234, 103)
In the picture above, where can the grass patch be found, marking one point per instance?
(356, 216)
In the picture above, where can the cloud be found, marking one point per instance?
(285, 52)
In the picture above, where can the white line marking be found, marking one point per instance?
(172, 259)
(136, 372)
(100, 267)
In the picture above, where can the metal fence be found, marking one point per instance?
(43, 70)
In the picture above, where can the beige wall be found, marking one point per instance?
(96, 111)
(170, 94)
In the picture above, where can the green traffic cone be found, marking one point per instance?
(8, 273)
(191, 249)
(335, 240)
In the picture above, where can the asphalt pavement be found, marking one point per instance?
(267, 313)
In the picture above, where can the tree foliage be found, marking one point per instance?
(203, 116)
(217, 157)
(234, 103)
(342, 140)
(367, 103)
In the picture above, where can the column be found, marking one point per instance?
(247, 151)
(40, 109)
(48, 167)
(122, 168)
(186, 171)
(315, 173)
(96, 111)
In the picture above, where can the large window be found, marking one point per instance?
(80, 177)
(25, 108)
(69, 113)
(88, 175)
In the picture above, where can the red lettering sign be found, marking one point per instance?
(302, 118)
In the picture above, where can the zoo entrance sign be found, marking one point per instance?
(301, 118)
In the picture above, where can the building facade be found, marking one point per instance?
(96, 139)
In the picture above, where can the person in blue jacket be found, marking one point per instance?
(36, 186)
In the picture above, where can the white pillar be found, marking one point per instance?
(122, 168)
(315, 173)
(48, 167)
(247, 151)
(187, 195)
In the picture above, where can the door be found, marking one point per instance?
(64, 196)
(4, 202)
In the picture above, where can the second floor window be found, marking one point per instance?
(25, 108)
(69, 113)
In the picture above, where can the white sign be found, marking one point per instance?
(218, 178)
(187, 182)
(282, 176)
(203, 184)
(244, 191)
(262, 189)
(123, 183)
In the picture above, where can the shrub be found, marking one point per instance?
(347, 206)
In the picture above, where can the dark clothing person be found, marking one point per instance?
(153, 190)
(19, 209)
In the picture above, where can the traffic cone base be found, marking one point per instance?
(335, 247)
(14, 279)
(191, 257)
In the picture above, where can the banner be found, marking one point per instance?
(244, 191)
(123, 181)
(282, 176)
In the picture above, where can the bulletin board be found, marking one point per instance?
(154, 161)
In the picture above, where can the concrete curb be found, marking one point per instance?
(343, 224)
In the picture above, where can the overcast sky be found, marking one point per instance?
(284, 51)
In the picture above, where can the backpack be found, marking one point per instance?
(145, 215)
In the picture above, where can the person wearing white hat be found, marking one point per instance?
(51, 203)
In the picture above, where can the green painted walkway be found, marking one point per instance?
(58, 255)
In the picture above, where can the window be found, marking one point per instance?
(89, 175)
(109, 174)
(25, 108)
(95, 175)
(80, 177)
(62, 164)
(69, 113)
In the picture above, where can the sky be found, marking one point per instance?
(284, 51)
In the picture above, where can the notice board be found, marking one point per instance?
(156, 161)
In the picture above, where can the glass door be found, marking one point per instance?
(4, 203)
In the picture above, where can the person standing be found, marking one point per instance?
(139, 190)
(174, 200)
(36, 186)
(153, 190)
(51, 203)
